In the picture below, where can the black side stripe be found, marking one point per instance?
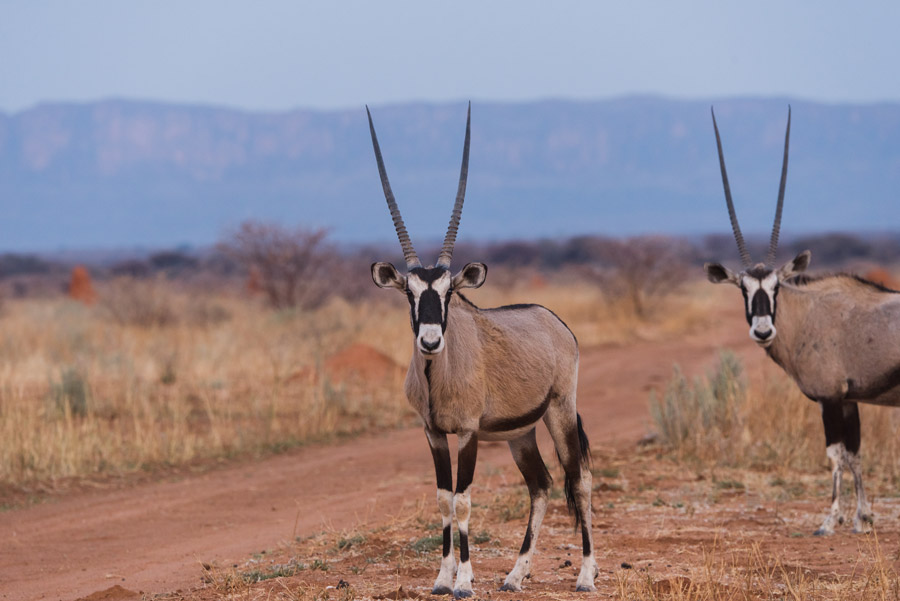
(514, 423)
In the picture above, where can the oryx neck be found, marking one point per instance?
(793, 304)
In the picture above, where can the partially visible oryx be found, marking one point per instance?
(488, 374)
(838, 337)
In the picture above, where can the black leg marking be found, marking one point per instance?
(465, 470)
(833, 420)
(463, 547)
(448, 540)
(586, 540)
(852, 436)
(526, 543)
(441, 455)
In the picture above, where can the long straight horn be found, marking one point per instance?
(450, 238)
(409, 253)
(735, 227)
(776, 228)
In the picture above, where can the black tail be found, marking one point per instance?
(584, 458)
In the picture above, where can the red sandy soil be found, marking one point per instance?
(152, 537)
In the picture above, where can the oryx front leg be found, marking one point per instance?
(528, 458)
(835, 453)
(462, 507)
(440, 451)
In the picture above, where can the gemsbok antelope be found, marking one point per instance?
(838, 337)
(488, 374)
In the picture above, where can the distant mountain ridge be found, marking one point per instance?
(119, 173)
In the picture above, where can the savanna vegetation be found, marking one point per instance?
(256, 345)
(274, 339)
(271, 340)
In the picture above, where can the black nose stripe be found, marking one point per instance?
(430, 307)
(760, 305)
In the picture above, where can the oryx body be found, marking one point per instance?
(839, 339)
(488, 374)
(837, 336)
(496, 376)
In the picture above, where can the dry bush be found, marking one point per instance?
(641, 271)
(291, 265)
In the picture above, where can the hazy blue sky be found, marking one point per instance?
(280, 55)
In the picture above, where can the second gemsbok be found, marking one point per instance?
(838, 337)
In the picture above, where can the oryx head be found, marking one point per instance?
(760, 282)
(428, 288)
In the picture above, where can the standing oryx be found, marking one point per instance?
(838, 337)
(488, 374)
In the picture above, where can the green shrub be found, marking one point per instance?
(702, 418)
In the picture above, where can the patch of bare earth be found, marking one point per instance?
(662, 532)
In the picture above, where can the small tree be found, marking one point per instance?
(290, 265)
(642, 270)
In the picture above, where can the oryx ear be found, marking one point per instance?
(386, 275)
(719, 274)
(471, 276)
(792, 268)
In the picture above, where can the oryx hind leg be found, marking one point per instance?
(573, 450)
(528, 458)
(852, 439)
(440, 452)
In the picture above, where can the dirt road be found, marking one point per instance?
(152, 537)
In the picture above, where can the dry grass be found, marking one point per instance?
(82, 392)
(152, 375)
(769, 425)
(752, 575)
